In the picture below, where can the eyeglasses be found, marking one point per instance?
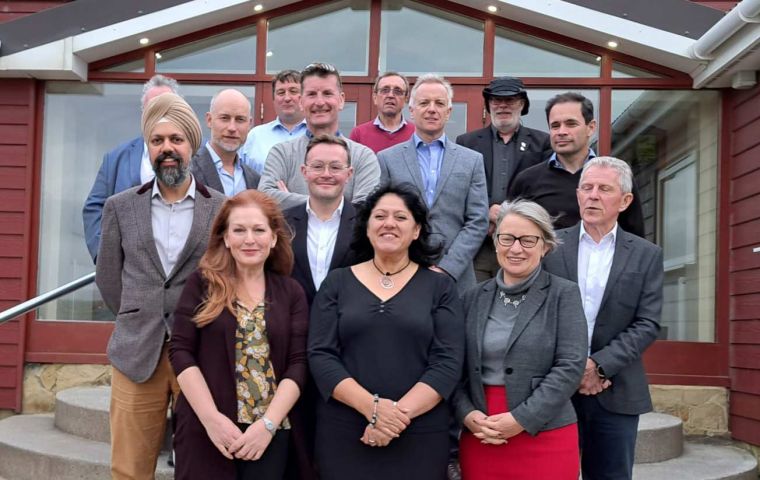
(527, 241)
(508, 101)
(397, 92)
(332, 168)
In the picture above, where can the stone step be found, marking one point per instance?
(31, 448)
(704, 459)
(84, 412)
(660, 438)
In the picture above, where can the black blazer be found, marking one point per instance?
(537, 148)
(343, 256)
(204, 170)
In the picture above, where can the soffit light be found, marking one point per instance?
(259, 7)
(612, 44)
(492, 8)
(144, 41)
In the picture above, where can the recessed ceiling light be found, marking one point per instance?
(144, 41)
(612, 44)
(492, 9)
(259, 7)
(158, 56)
(270, 53)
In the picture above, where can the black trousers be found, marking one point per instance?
(271, 465)
(607, 440)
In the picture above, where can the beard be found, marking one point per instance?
(170, 176)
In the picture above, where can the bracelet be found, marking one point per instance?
(375, 401)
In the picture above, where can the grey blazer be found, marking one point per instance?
(459, 214)
(629, 316)
(203, 169)
(132, 281)
(545, 358)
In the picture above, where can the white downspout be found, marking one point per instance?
(748, 11)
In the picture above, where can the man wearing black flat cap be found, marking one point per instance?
(507, 148)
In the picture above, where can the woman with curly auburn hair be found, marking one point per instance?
(239, 348)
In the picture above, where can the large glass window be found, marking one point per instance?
(521, 55)
(83, 121)
(670, 139)
(337, 33)
(231, 52)
(415, 39)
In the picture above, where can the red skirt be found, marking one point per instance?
(551, 454)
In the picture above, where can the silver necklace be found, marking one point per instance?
(385, 279)
(515, 302)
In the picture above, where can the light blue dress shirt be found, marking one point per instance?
(430, 158)
(555, 163)
(171, 224)
(232, 184)
(262, 138)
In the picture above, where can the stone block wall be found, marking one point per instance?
(43, 381)
(703, 410)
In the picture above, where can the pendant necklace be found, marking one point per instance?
(515, 302)
(385, 280)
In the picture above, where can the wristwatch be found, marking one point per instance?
(600, 372)
(269, 425)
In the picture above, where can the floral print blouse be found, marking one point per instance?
(256, 382)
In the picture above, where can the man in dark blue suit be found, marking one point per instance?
(126, 166)
(620, 278)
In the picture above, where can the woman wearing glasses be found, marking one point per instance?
(526, 350)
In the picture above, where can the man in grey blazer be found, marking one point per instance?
(620, 278)
(450, 178)
(217, 164)
(152, 239)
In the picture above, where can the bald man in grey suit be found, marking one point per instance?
(451, 179)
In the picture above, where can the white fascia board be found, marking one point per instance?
(159, 26)
(735, 54)
(53, 60)
(581, 23)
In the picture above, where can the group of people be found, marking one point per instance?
(309, 305)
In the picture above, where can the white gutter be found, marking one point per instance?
(746, 12)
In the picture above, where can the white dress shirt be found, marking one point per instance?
(171, 224)
(146, 169)
(594, 263)
(320, 241)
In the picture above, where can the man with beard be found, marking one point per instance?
(508, 148)
(322, 99)
(390, 93)
(126, 166)
(153, 237)
(217, 164)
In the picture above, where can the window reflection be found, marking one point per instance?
(231, 52)
(415, 39)
(521, 55)
(336, 33)
(134, 66)
(82, 122)
(457, 123)
(347, 118)
(670, 139)
(536, 117)
(621, 70)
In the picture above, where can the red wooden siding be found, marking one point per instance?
(13, 9)
(16, 165)
(744, 265)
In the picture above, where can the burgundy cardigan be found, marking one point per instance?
(212, 349)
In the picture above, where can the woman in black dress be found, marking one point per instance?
(386, 346)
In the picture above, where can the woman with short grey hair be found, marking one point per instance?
(526, 351)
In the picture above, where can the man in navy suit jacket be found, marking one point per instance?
(124, 167)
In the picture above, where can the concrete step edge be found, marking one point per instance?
(660, 438)
(703, 459)
(32, 448)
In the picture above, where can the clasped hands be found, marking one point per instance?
(233, 443)
(392, 419)
(592, 383)
(492, 429)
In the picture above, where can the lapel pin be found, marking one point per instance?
(523, 146)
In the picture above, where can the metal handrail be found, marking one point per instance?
(40, 300)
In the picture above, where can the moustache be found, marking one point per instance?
(168, 156)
